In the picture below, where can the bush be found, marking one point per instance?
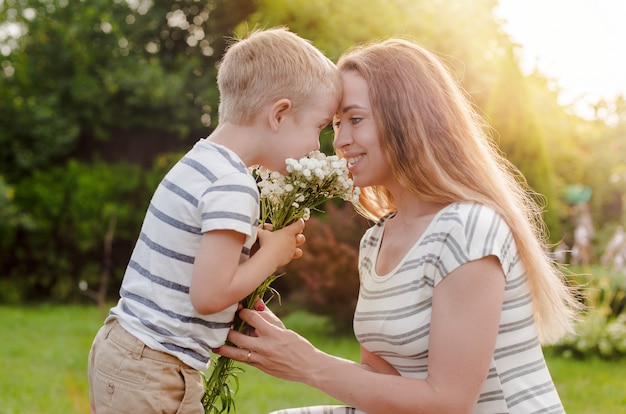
(602, 329)
(326, 279)
(71, 209)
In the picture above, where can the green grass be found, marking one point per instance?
(590, 386)
(43, 367)
(43, 351)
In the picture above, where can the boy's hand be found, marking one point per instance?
(284, 243)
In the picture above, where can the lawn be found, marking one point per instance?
(43, 361)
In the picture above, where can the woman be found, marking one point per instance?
(456, 291)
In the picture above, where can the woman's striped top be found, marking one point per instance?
(393, 313)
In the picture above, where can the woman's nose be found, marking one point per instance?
(342, 138)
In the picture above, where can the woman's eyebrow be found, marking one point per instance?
(349, 107)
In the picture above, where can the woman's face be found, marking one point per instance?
(356, 134)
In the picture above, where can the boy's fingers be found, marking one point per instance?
(298, 226)
(300, 239)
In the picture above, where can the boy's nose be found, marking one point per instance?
(317, 145)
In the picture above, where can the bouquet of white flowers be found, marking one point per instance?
(284, 199)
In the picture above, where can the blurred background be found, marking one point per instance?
(98, 98)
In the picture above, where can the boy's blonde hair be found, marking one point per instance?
(272, 64)
(438, 147)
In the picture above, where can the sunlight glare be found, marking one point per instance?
(578, 43)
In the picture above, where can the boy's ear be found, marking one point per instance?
(277, 112)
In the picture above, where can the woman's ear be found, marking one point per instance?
(278, 111)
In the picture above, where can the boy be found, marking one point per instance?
(192, 264)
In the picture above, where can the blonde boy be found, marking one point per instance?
(192, 264)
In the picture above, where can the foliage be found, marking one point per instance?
(520, 135)
(605, 171)
(583, 152)
(70, 207)
(602, 330)
(325, 280)
(11, 218)
(72, 74)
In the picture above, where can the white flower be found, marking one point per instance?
(309, 183)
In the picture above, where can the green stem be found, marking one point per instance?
(222, 385)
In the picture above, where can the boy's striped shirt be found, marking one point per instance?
(208, 189)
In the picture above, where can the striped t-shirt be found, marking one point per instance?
(208, 189)
(393, 313)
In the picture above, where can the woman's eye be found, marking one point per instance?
(355, 120)
(336, 124)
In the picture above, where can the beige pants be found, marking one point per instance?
(126, 376)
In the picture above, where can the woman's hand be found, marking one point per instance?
(271, 348)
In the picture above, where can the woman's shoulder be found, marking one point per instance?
(464, 212)
(468, 207)
(467, 219)
(471, 231)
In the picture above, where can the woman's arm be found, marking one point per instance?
(464, 327)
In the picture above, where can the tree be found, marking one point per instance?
(75, 82)
(521, 137)
(73, 74)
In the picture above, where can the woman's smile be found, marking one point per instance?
(353, 160)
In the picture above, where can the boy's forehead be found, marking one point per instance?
(331, 107)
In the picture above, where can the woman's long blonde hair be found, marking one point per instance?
(438, 147)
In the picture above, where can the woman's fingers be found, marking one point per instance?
(300, 240)
(264, 324)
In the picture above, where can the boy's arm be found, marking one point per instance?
(214, 269)
(219, 280)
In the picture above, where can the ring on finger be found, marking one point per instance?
(248, 356)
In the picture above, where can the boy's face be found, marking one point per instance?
(299, 135)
